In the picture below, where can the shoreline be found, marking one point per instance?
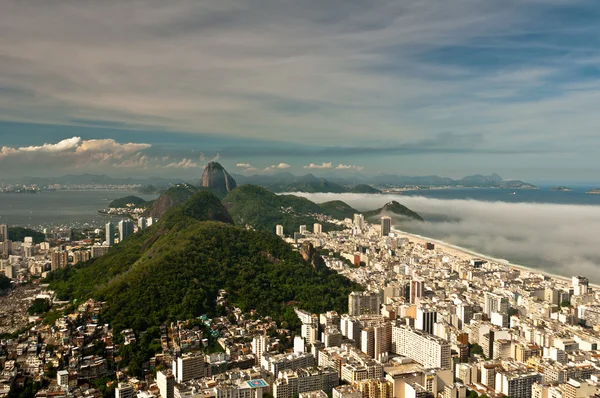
(474, 254)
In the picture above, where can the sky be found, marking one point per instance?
(412, 87)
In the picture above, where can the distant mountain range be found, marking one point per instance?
(358, 183)
(223, 182)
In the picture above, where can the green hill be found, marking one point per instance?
(170, 198)
(338, 209)
(395, 210)
(174, 269)
(363, 188)
(127, 200)
(18, 234)
(263, 210)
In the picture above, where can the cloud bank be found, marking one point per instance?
(560, 239)
(97, 155)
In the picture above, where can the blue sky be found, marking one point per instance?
(419, 87)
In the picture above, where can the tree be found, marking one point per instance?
(476, 349)
(39, 306)
(4, 282)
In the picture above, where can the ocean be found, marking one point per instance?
(543, 195)
(75, 209)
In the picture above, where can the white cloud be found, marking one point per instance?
(185, 163)
(243, 165)
(349, 167)
(324, 165)
(277, 166)
(64, 145)
(75, 152)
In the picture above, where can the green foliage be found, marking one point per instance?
(181, 192)
(476, 349)
(395, 210)
(203, 206)
(262, 209)
(39, 306)
(364, 188)
(472, 394)
(18, 234)
(123, 202)
(100, 385)
(338, 209)
(4, 282)
(174, 270)
(565, 303)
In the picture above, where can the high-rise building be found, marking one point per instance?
(426, 318)
(516, 383)
(3, 232)
(98, 251)
(318, 228)
(141, 224)
(259, 346)
(302, 229)
(359, 221)
(417, 288)
(375, 388)
(150, 221)
(110, 234)
(124, 390)
(59, 260)
(386, 226)
(426, 349)
(362, 303)
(125, 229)
(166, 383)
(189, 367)
(279, 230)
(494, 303)
(580, 285)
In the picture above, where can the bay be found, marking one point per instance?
(75, 209)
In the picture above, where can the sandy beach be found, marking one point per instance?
(467, 254)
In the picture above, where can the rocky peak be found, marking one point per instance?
(217, 178)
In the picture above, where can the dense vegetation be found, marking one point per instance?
(364, 188)
(395, 210)
(39, 306)
(18, 234)
(4, 282)
(174, 269)
(263, 210)
(123, 202)
(338, 209)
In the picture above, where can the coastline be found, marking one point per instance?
(467, 253)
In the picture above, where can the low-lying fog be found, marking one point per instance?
(560, 239)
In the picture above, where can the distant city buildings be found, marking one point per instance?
(125, 229)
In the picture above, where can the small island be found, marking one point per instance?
(595, 191)
(561, 189)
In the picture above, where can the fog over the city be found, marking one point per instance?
(560, 239)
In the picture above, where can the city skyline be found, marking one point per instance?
(452, 88)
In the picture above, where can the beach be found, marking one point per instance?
(466, 254)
